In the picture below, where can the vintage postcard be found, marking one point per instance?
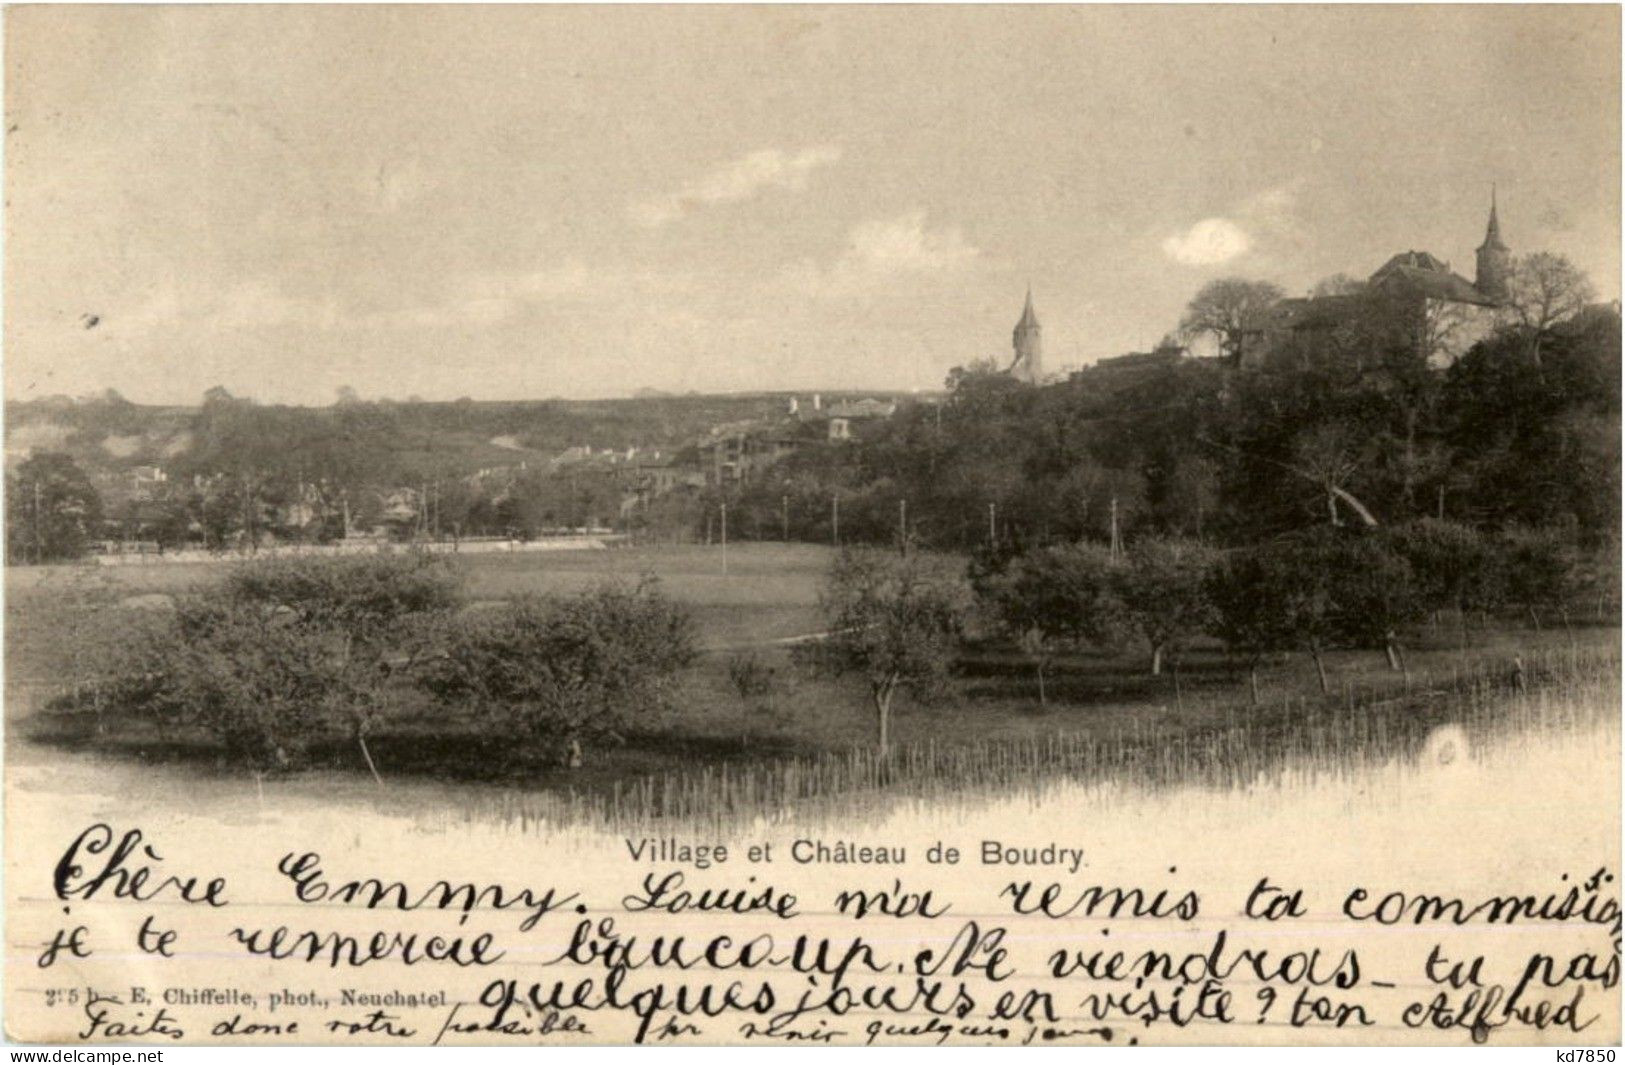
(799, 525)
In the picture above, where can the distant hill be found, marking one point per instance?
(399, 440)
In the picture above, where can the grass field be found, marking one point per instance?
(768, 594)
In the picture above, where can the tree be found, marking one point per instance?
(52, 509)
(285, 648)
(1543, 290)
(1249, 598)
(1332, 454)
(1164, 591)
(458, 506)
(1537, 446)
(564, 670)
(895, 621)
(378, 612)
(1540, 571)
(1452, 566)
(1374, 594)
(1232, 310)
(1051, 597)
(1304, 577)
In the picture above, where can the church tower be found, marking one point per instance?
(1494, 259)
(1029, 344)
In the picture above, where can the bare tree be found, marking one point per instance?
(1230, 309)
(1439, 324)
(1331, 455)
(1545, 289)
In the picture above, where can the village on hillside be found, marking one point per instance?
(138, 484)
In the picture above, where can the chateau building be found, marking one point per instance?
(1444, 313)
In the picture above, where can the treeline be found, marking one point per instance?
(1308, 592)
(1359, 430)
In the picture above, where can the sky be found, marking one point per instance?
(519, 203)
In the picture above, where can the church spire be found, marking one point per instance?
(1494, 258)
(1029, 320)
(1029, 344)
(1492, 234)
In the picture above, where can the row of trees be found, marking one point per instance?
(55, 512)
(291, 654)
(897, 620)
(1321, 588)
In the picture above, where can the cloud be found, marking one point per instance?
(883, 250)
(1207, 243)
(741, 179)
(1266, 220)
(905, 245)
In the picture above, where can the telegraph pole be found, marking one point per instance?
(784, 518)
(1116, 543)
(992, 525)
(902, 526)
(724, 539)
(835, 519)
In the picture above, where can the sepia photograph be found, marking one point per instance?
(796, 525)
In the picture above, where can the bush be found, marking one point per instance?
(287, 650)
(562, 671)
(751, 678)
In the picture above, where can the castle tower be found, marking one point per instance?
(1494, 259)
(1029, 344)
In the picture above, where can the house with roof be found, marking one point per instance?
(843, 416)
(1441, 313)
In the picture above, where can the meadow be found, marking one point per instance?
(793, 738)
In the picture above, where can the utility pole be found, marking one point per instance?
(784, 518)
(835, 519)
(902, 527)
(725, 539)
(992, 525)
(1117, 545)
